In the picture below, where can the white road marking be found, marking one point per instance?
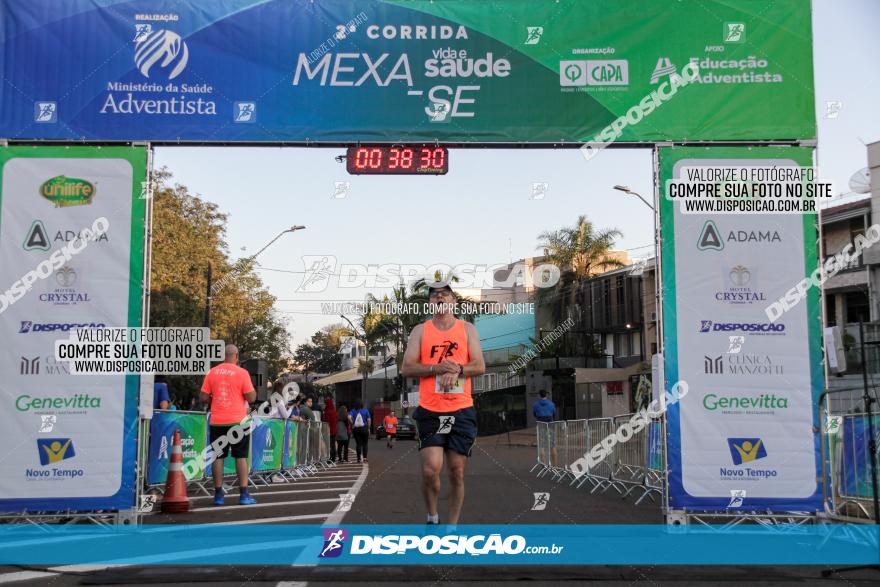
(223, 508)
(24, 576)
(272, 520)
(335, 518)
(270, 493)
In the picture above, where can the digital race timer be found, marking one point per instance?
(397, 160)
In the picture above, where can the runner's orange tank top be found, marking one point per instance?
(438, 345)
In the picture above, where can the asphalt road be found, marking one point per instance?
(499, 490)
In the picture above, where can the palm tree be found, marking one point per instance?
(580, 252)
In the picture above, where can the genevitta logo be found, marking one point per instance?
(28, 326)
(78, 402)
(765, 403)
(162, 46)
(758, 328)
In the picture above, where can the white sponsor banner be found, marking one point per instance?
(747, 423)
(62, 435)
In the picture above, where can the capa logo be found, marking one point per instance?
(334, 539)
(67, 191)
(163, 45)
(746, 450)
(54, 450)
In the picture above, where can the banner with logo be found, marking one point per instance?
(855, 461)
(71, 249)
(407, 70)
(288, 457)
(193, 428)
(268, 444)
(743, 435)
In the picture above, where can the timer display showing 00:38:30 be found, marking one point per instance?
(400, 160)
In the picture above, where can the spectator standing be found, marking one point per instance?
(544, 409)
(305, 410)
(228, 389)
(330, 417)
(342, 434)
(161, 399)
(360, 427)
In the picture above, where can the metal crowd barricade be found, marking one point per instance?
(636, 466)
(543, 437)
(600, 475)
(846, 455)
(655, 467)
(575, 444)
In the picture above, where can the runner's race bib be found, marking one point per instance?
(457, 388)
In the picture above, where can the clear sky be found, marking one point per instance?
(482, 211)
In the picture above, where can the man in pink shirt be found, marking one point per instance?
(229, 390)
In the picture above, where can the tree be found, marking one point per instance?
(322, 354)
(580, 252)
(188, 234)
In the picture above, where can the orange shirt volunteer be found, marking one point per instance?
(227, 385)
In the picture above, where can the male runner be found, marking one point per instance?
(390, 422)
(444, 353)
(229, 390)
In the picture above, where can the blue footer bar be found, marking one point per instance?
(842, 544)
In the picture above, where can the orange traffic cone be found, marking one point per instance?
(175, 500)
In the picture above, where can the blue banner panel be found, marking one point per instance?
(336, 71)
(856, 457)
(193, 438)
(441, 545)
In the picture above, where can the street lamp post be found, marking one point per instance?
(358, 336)
(212, 288)
(627, 190)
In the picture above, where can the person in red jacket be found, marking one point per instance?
(330, 418)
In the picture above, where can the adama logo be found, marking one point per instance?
(67, 191)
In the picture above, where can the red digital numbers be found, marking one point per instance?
(423, 160)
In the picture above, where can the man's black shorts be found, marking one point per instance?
(459, 435)
(238, 449)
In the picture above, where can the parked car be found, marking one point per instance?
(406, 428)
